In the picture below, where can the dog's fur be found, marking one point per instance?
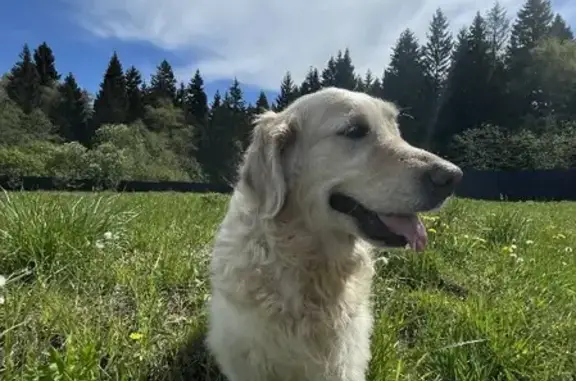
(290, 276)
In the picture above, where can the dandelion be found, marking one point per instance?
(559, 236)
(136, 336)
(568, 249)
(529, 242)
(108, 236)
(509, 249)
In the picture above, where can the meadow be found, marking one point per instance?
(112, 287)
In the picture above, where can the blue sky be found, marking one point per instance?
(250, 39)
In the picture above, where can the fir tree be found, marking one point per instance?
(111, 103)
(328, 77)
(311, 83)
(437, 52)
(405, 84)
(45, 65)
(262, 102)
(288, 93)
(71, 114)
(23, 82)
(560, 30)
(163, 84)
(197, 100)
(344, 76)
(134, 94)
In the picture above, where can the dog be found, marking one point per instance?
(321, 184)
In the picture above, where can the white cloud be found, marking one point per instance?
(258, 40)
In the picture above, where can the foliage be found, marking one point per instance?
(498, 80)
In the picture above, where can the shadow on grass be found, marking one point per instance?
(192, 362)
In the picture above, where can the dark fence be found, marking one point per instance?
(484, 185)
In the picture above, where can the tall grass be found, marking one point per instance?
(113, 287)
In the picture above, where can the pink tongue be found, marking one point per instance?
(411, 227)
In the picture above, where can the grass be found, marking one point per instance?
(112, 287)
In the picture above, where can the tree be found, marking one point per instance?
(262, 102)
(181, 96)
(553, 69)
(288, 93)
(469, 101)
(45, 65)
(560, 29)
(163, 84)
(344, 76)
(23, 82)
(134, 94)
(532, 24)
(498, 27)
(436, 59)
(406, 85)
(111, 103)
(437, 51)
(311, 82)
(196, 101)
(71, 115)
(237, 114)
(329, 73)
(217, 150)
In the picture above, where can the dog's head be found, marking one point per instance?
(336, 157)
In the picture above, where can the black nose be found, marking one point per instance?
(445, 178)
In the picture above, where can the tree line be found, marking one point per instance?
(499, 95)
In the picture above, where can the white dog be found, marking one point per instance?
(291, 269)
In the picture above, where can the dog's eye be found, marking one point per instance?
(355, 131)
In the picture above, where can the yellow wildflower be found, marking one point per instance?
(136, 336)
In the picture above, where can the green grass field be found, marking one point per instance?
(117, 287)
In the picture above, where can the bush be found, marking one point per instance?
(530, 148)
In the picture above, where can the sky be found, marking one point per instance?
(255, 41)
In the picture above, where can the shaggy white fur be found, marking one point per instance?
(290, 274)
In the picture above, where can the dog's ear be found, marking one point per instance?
(262, 171)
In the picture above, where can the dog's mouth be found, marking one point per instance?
(393, 230)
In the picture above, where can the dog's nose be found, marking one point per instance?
(445, 178)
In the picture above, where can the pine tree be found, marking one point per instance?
(498, 27)
(405, 84)
(344, 76)
(23, 82)
(111, 103)
(311, 83)
(329, 74)
(533, 23)
(45, 65)
(71, 113)
(262, 102)
(468, 101)
(437, 51)
(197, 101)
(134, 95)
(218, 149)
(288, 93)
(163, 84)
(235, 99)
(560, 29)
(238, 114)
(181, 96)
